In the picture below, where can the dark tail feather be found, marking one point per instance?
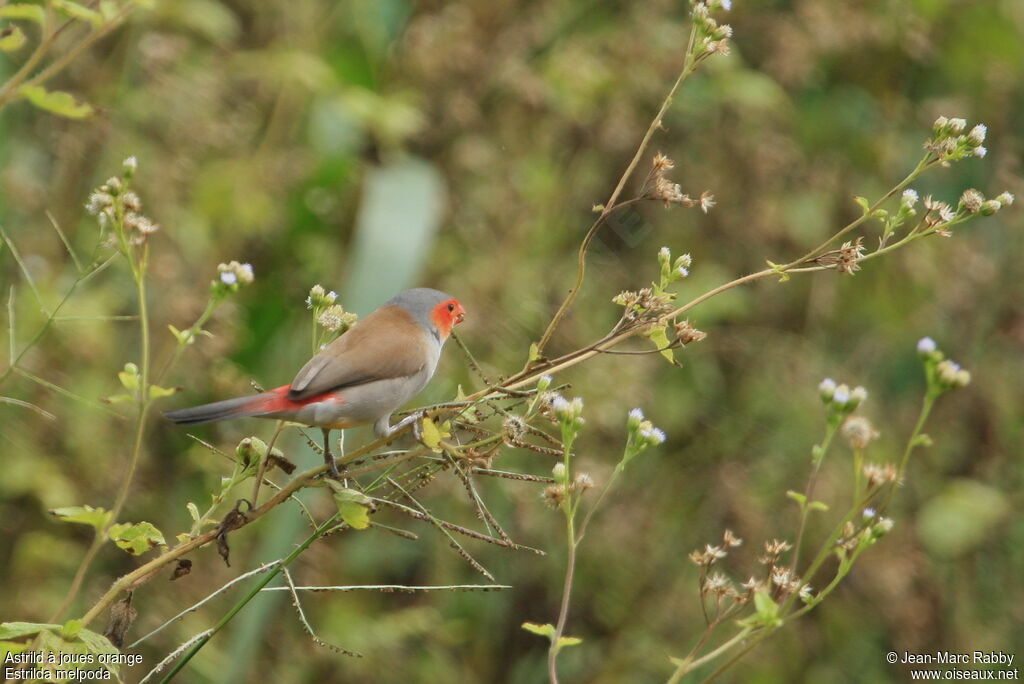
(220, 410)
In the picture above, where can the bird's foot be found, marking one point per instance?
(414, 419)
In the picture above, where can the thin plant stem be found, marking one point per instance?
(563, 611)
(274, 572)
(805, 507)
(143, 401)
(689, 64)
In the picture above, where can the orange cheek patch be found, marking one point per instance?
(441, 318)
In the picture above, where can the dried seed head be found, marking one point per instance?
(554, 495)
(972, 200)
(859, 432)
(730, 539)
(878, 474)
(686, 333)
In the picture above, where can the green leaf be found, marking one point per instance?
(136, 538)
(659, 336)
(817, 506)
(117, 399)
(567, 641)
(76, 11)
(767, 610)
(777, 268)
(83, 515)
(70, 629)
(56, 102)
(798, 497)
(353, 506)
(863, 203)
(13, 630)
(545, 630)
(534, 353)
(23, 10)
(157, 392)
(193, 510)
(11, 38)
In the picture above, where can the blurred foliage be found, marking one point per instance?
(264, 131)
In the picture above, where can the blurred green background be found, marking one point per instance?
(374, 144)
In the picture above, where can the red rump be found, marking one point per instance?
(277, 400)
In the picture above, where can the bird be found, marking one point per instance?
(361, 378)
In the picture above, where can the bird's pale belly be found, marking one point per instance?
(357, 406)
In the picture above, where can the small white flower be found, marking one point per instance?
(664, 253)
(653, 435)
(131, 164)
(1006, 199)
(682, 272)
(980, 151)
(228, 278)
(909, 198)
(727, 5)
(245, 273)
(858, 395)
(841, 396)
(926, 345)
(868, 513)
(977, 134)
(686, 260)
(957, 125)
(827, 388)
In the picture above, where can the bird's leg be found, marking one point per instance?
(328, 456)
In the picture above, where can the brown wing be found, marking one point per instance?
(388, 343)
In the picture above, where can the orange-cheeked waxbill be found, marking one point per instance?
(360, 378)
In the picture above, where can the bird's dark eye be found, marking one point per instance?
(451, 307)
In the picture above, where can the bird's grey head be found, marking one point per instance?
(420, 302)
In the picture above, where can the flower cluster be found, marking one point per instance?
(230, 278)
(878, 474)
(949, 143)
(641, 434)
(841, 397)
(659, 187)
(328, 317)
(871, 531)
(846, 258)
(569, 412)
(713, 38)
(116, 206)
(319, 298)
(554, 495)
(644, 301)
(943, 374)
(335, 319)
(713, 553)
